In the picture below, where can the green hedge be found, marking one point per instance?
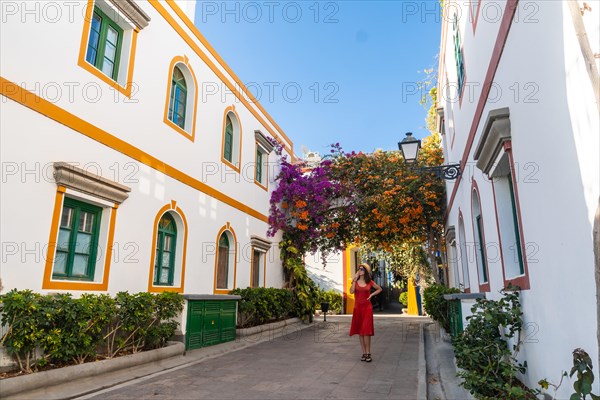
(72, 331)
(435, 305)
(333, 298)
(263, 305)
(404, 299)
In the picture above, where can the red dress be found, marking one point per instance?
(362, 316)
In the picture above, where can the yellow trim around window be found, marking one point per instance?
(192, 134)
(233, 87)
(47, 282)
(82, 62)
(227, 227)
(231, 109)
(264, 168)
(36, 103)
(159, 288)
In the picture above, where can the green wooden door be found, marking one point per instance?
(212, 323)
(228, 320)
(195, 319)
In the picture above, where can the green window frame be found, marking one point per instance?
(166, 241)
(259, 166)
(178, 98)
(77, 244)
(479, 225)
(516, 224)
(458, 57)
(104, 44)
(228, 146)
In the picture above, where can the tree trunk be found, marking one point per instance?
(432, 258)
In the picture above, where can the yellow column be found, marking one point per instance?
(413, 308)
(348, 276)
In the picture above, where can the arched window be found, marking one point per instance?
(164, 264)
(463, 252)
(228, 146)
(223, 262)
(178, 99)
(232, 133)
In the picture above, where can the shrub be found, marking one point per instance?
(404, 299)
(332, 297)
(68, 330)
(436, 306)
(489, 367)
(262, 305)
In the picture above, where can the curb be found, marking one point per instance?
(72, 382)
(19, 384)
(243, 332)
(422, 373)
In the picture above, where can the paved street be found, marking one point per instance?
(317, 362)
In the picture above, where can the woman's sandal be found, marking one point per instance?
(368, 358)
(364, 357)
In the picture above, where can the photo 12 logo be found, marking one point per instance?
(253, 12)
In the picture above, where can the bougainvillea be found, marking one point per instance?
(312, 208)
(374, 200)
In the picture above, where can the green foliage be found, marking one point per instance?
(582, 365)
(304, 289)
(263, 305)
(332, 297)
(66, 330)
(489, 367)
(436, 306)
(404, 299)
(21, 312)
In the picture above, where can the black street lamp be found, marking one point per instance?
(409, 147)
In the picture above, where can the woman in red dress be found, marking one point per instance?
(362, 316)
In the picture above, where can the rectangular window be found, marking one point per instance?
(257, 262)
(513, 204)
(508, 226)
(104, 44)
(77, 241)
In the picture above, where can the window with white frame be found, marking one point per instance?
(263, 149)
(493, 155)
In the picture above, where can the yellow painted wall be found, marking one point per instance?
(413, 308)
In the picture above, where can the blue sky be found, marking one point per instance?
(330, 71)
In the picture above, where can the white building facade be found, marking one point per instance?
(518, 105)
(132, 156)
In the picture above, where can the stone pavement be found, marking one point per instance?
(318, 362)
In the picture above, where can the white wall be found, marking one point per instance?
(542, 79)
(41, 56)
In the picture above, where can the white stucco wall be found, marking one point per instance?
(542, 79)
(41, 56)
(328, 276)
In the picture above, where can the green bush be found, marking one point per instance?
(263, 305)
(404, 299)
(68, 330)
(488, 367)
(436, 306)
(332, 297)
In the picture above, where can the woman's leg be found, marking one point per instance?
(362, 343)
(367, 346)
